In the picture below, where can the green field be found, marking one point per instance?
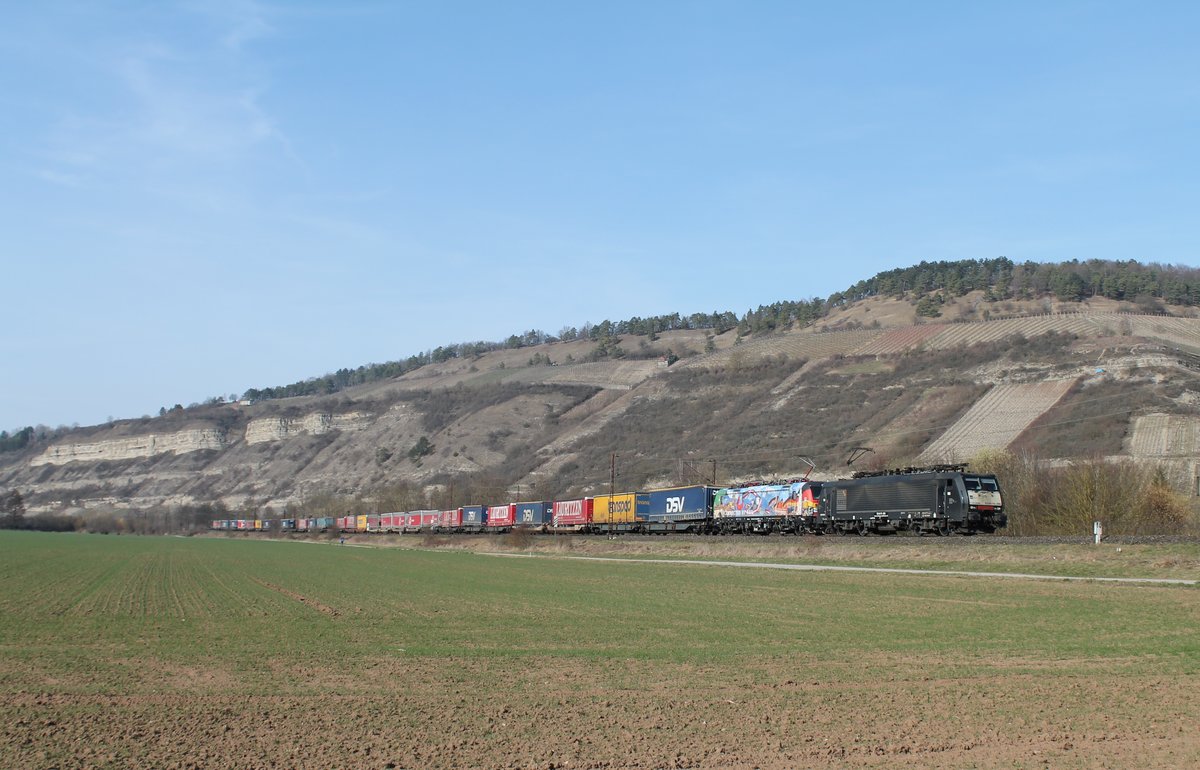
(234, 631)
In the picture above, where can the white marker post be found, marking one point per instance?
(1098, 531)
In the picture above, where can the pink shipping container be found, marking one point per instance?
(573, 513)
(373, 522)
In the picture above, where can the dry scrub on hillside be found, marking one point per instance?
(1128, 497)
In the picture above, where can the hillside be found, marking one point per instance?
(531, 422)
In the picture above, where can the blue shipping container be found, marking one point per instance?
(474, 515)
(679, 504)
(534, 514)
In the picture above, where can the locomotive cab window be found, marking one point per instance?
(980, 484)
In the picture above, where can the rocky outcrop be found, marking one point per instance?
(133, 447)
(196, 439)
(267, 429)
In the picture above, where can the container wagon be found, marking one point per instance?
(535, 515)
(501, 517)
(450, 521)
(678, 509)
(619, 513)
(572, 514)
(474, 517)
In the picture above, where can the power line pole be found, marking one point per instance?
(612, 484)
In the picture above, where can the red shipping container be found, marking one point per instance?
(573, 513)
(502, 515)
(452, 519)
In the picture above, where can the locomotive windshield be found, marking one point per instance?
(977, 484)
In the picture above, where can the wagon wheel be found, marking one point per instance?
(943, 528)
(863, 529)
(916, 529)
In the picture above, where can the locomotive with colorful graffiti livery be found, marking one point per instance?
(940, 500)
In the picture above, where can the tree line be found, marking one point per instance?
(1002, 279)
(154, 521)
(12, 516)
(17, 441)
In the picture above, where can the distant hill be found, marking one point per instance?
(928, 363)
(927, 287)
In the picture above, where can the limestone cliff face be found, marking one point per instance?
(196, 439)
(133, 447)
(267, 429)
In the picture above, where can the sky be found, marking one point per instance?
(197, 198)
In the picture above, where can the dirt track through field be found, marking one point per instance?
(836, 568)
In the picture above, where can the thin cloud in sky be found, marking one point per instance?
(180, 181)
(174, 105)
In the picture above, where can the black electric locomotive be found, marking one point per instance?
(941, 499)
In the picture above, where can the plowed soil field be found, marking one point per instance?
(206, 653)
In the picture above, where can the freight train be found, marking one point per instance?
(941, 500)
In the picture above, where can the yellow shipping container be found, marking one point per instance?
(258, 523)
(361, 523)
(614, 509)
